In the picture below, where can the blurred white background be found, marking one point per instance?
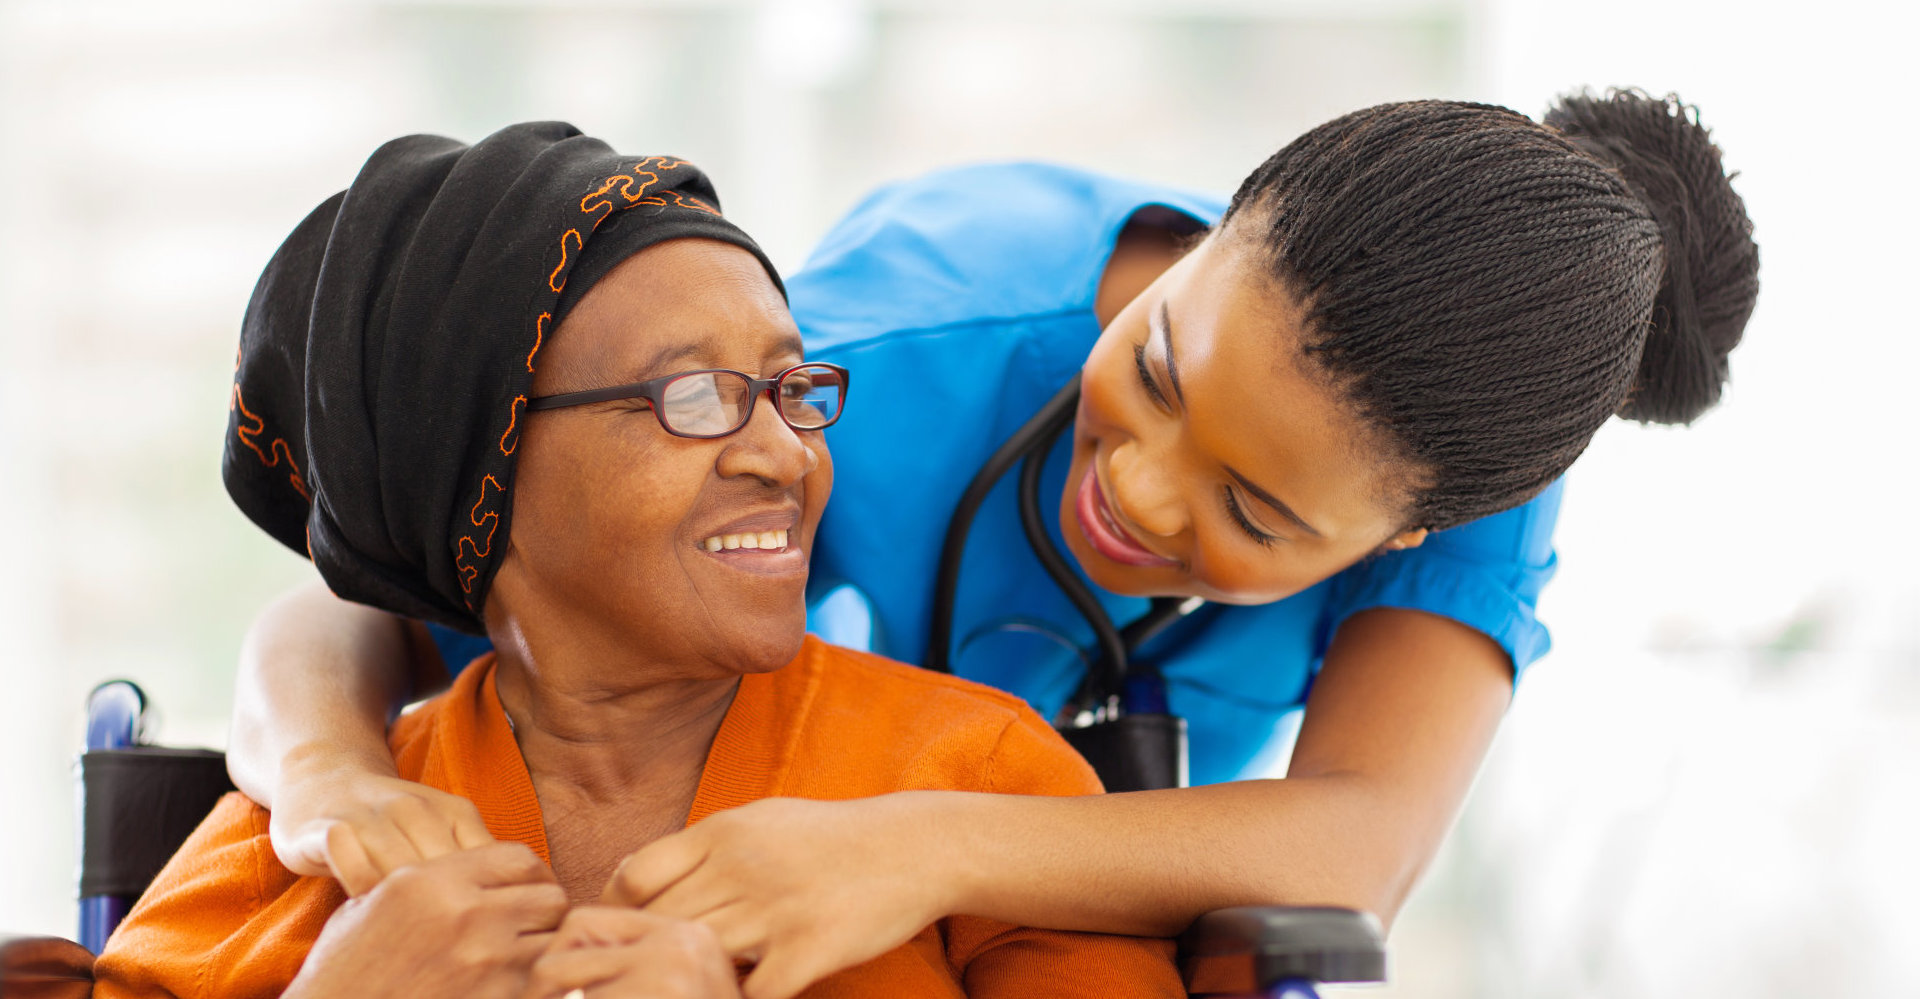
(1710, 788)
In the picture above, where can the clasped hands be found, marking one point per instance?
(438, 907)
(491, 922)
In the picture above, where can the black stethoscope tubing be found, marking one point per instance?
(1108, 672)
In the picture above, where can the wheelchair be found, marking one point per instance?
(139, 802)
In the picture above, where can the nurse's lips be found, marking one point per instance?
(1103, 531)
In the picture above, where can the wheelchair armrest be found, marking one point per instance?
(44, 968)
(1251, 948)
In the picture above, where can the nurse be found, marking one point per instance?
(1336, 408)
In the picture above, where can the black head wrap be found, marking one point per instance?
(389, 349)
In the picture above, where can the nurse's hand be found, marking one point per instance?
(611, 953)
(803, 888)
(360, 827)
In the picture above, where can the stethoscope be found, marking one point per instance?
(1115, 686)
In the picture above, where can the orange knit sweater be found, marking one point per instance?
(226, 919)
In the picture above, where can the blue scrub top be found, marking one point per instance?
(962, 301)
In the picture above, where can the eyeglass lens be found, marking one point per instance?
(711, 403)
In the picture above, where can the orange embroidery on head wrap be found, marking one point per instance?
(598, 200)
(274, 452)
(539, 337)
(688, 201)
(558, 280)
(508, 441)
(645, 172)
(598, 204)
(477, 550)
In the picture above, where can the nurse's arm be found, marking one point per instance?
(1395, 729)
(319, 680)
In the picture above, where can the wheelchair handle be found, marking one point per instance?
(1251, 949)
(116, 715)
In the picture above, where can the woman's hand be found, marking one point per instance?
(609, 953)
(465, 924)
(804, 888)
(361, 827)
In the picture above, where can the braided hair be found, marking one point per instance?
(1485, 291)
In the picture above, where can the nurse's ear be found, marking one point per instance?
(1405, 540)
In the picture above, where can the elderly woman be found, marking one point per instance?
(518, 387)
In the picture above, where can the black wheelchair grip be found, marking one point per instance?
(1252, 948)
(137, 806)
(1134, 752)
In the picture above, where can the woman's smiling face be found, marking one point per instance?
(1207, 459)
(612, 515)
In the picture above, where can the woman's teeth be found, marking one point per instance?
(763, 540)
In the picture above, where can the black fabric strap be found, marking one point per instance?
(137, 806)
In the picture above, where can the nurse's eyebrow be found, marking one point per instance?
(1273, 501)
(1166, 344)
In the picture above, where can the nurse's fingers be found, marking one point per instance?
(497, 865)
(697, 896)
(348, 861)
(429, 831)
(654, 868)
(386, 848)
(784, 973)
(739, 928)
(469, 830)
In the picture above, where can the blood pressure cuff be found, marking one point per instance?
(1134, 752)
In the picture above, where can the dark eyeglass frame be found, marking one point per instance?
(652, 389)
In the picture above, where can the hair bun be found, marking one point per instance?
(1712, 275)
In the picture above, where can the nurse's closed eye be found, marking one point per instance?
(1239, 516)
(1146, 376)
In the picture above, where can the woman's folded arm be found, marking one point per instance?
(1389, 747)
(1391, 743)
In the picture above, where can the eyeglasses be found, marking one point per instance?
(716, 402)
